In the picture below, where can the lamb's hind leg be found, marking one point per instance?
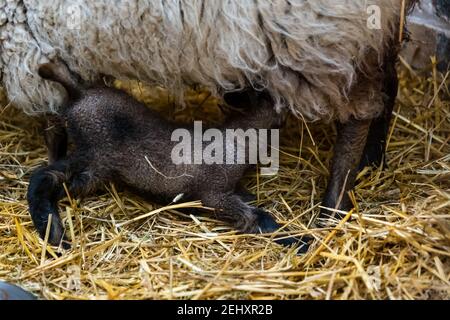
(46, 188)
(247, 219)
(347, 154)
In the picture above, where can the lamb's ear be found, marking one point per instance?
(105, 80)
(238, 99)
(246, 98)
(46, 71)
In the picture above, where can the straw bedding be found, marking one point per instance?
(396, 246)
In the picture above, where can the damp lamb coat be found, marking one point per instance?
(318, 58)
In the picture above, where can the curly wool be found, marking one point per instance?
(318, 58)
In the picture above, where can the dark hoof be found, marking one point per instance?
(267, 224)
(65, 244)
(373, 156)
(303, 243)
(265, 221)
(56, 235)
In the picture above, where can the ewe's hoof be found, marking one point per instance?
(373, 156)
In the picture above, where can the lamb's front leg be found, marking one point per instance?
(349, 146)
(248, 219)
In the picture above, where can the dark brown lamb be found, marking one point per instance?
(117, 139)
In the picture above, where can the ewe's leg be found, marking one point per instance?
(55, 136)
(443, 50)
(374, 151)
(347, 154)
(46, 189)
(245, 218)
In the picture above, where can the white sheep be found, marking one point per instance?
(308, 46)
(319, 59)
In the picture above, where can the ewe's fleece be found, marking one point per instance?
(316, 57)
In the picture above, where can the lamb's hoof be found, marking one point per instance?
(56, 235)
(267, 224)
(61, 242)
(65, 244)
(303, 243)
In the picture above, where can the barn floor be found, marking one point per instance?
(396, 246)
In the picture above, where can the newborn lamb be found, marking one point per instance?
(117, 139)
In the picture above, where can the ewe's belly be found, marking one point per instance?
(304, 53)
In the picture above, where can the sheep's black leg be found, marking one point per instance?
(247, 219)
(374, 151)
(443, 49)
(347, 154)
(55, 136)
(46, 188)
(443, 53)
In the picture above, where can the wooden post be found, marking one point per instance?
(429, 28)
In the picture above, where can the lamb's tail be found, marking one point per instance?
(59, 72)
